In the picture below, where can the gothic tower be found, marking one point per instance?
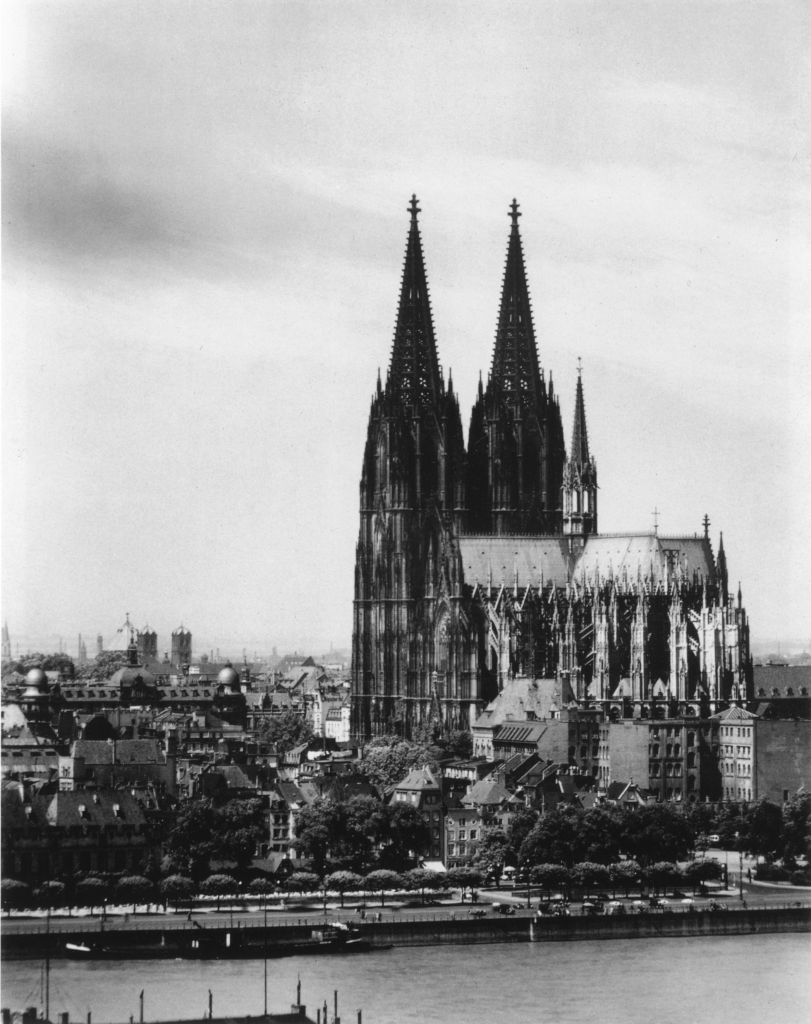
(580, 475)
(515, 449)
(405, 643)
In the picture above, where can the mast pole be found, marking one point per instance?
(265, 934)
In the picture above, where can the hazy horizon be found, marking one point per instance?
(204, 221)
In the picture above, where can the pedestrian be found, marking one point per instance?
(749, 874)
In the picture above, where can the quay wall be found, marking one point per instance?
(168, 940)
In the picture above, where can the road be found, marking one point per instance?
(753, 895)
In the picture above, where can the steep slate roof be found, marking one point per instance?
(532, 561)
(142, 751)
(522, 698)
(519, 732)
(502, 559)
(63, 809)
(486, 793)
(734, 714)
(418, 780)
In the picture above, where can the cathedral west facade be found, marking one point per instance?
(482, 562)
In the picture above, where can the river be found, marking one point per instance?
(746, 980)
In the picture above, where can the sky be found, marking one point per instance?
(204, 222)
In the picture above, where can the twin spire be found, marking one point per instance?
(515, 369)
(414, 373)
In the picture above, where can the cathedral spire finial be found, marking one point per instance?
(516, 368)
(414, 373)
(706, 524)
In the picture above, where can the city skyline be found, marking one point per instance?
(205, 221)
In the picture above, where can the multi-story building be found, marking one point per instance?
(421, 789)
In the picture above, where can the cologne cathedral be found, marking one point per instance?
(482, 562)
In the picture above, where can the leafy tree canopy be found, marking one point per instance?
(286, 731)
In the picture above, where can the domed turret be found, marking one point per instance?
(38, 679)
(229, 679)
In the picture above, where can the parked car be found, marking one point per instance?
(714, 840)
(504, 908)
(614, 908)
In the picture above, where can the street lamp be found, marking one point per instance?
(740, 866)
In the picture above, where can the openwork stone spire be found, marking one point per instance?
(414, 373)
(515, 370)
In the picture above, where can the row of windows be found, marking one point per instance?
(743, 768)
(738, 792)
(462, 834)
(736, 730)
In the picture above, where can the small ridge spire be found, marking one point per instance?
(706, 523)
(580, 437)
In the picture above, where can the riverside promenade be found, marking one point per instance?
(246, 936)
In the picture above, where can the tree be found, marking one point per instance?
(240, 825)
(317, 825)
(15, 895)
(763, 829)
(286, 731)
(408, 836)
(550, 876)
(464, 878)
(134, 889)
(796, 833)
(380, 880)
(261, 887)
(56, 662)
(343, 882)
(656, 832)
(92, 892)
(219, 885)
(599, 835)
(490, 852)
(554, 839)
(698, 871)
(386, 764)
(176, 889)
(521, 824)
(303, 881)
(191, 842)
(590, 875)
(664, 874)
(421, 879)
(624, 874)
(104, 665)
(364, 827)
(51, 894)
